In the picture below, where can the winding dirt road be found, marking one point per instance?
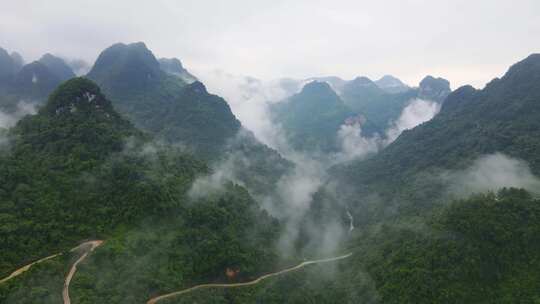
(256, 281)
(26, 267)
(86, 247)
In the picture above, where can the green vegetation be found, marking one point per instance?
(503, 117)
(69, 176)
(161, 103)
(78, 170)
(43, 281)
(485, 249)
(164, 105)
(312, 118)
(194, 245)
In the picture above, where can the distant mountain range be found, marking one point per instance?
(138, 153)
(499, 118)
(312, 117)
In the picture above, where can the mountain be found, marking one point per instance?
(122, 68)
(174, 67)
(335, 82)
(382, 107)
(391, 84)
(8, 67)
(35, 81)
(31, 83)
(180, 112)
(76, 131)
(78, 170)
(162, 103)
(57, 66)
(436, 89)
(312, 117)
(360, 93)
(501, 118)
(18, 61)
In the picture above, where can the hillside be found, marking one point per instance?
(182, 113)
(66, 174)
(312, 117)
(57, 66)
(381, 105)
(31, 83)
(502, 117)
(78, 170)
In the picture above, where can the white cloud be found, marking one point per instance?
(354, 145)
(8, 120)
(491, 173)
(416, 112)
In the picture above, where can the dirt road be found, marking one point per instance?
(86, 248)
(26, 267)
(256, 281)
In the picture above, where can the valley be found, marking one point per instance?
(222, 153)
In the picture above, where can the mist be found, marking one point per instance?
(491, 173)
(415, 113)
(293, 196)
(23, 108)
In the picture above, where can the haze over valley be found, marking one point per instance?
(242, 152)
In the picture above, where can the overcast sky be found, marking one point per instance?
(467, 42)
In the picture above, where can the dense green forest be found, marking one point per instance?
(183, 113)
(115, 157)
(408, 175)
(312, 117)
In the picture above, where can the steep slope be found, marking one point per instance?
(382, 107)
(436, 89)
(162, 103)
(8, 67)
(180, 113)
(57, 66)
(174, 67)
(503, 117)
(17, 60)
(34, 81)
(76, 170)
(312, 117)
(481, 250)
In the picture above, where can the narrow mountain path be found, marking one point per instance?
(26, 267)
(256, 281)
(86, 247)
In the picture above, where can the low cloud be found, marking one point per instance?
(249, 99)
(416, 112)
(354, 145)
(491, 173)
(23, 108)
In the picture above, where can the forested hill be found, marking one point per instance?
(503, 117)
(485, 249)
(177, 112)
(312, 117)
(75, 170)
(163, 103)
(381, 107)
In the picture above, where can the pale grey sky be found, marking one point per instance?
(467, 42)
